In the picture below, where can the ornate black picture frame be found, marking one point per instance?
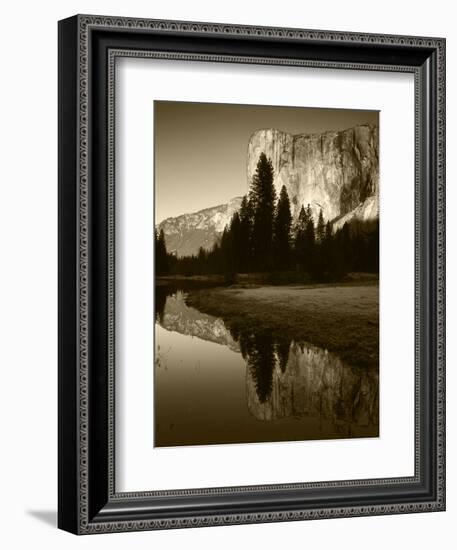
(88, 47)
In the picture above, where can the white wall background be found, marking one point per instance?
(28, 289)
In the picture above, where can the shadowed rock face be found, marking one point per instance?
(315, 383)
(335, 171)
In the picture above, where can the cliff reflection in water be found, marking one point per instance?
(288, 379)
(286, 384)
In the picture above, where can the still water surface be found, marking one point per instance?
(214, 385)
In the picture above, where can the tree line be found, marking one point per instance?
(261, 237)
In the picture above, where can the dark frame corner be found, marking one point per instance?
(88, 45)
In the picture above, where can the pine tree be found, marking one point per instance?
(246, 223)
(202, 261)
(342, 252)
(224, 251)
(328, 231)
(320, 232)
(233, 264)
(282, 229)
(310, 242)
(263, 197)
(319, 255)
(300, 238)
(373, 249)
(305, 240)
(161, 256)
(327, 253)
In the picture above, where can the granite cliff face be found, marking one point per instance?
(335, 171)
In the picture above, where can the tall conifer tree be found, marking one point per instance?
(246, 222)
(310, 242)
(320, 232)
(282, 229)
(161, 256)
(300, 238)
(263, 198)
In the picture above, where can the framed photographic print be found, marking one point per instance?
(277, 287)
(251, 274)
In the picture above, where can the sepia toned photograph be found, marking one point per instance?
(266, 273)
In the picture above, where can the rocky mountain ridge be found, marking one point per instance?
(185, 234)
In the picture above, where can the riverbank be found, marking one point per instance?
(343, 319)
(287, 278)
(210, 280)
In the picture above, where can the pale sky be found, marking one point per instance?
(200, 148)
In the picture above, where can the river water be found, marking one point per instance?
(214, 386)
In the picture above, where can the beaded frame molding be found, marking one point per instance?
(88, 48)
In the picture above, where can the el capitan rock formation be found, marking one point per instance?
(336, 171)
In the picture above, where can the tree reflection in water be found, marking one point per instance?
(287, 379)
(258, 352)
(284, 379)
(282, 348)
(161, 294)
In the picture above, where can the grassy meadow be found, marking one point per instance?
(343, 319)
